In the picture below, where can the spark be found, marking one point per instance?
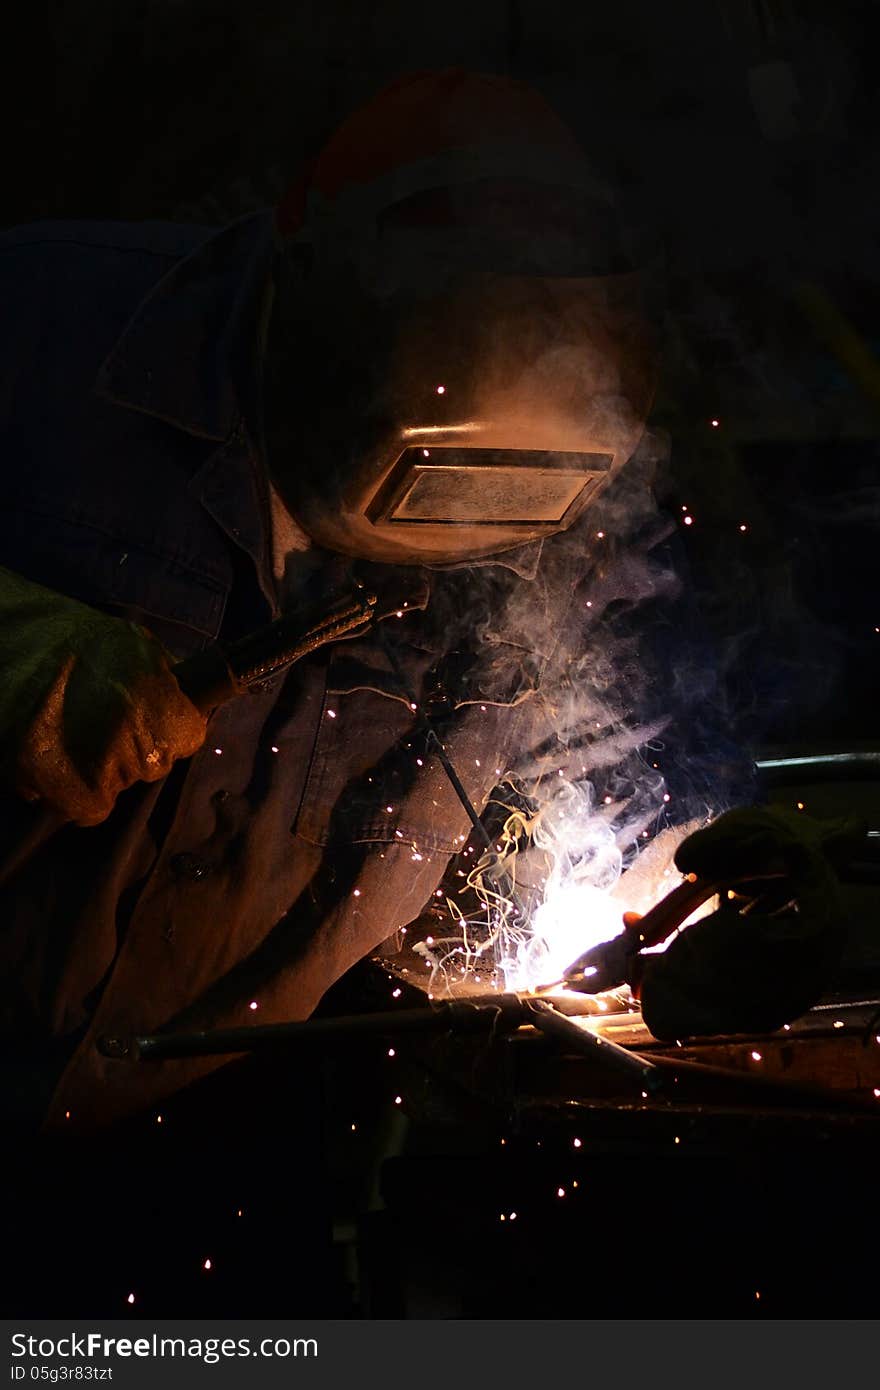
(398, 1100)
(356, 893)
(389, 809)
(239, 1212)
(677, 1139)
(391, 1052)
(396, 993)
(467, 427)
(688, 521)
(130, 1298)
(158, 1119)
(838, 1023)
(756, 1057)
(560, 1192)
(218, 751)
(419, 763)
(441, 390)
(743, 527)
(253, 1004)
(600, 535)
(513, 1216)
(67, 1114)
(800, 805)
(207, 1264)
(576, 1143)
(331, 714)
(353, 1128)
(877, 1092)
(714, 424)
(274, 747)
(426, 453)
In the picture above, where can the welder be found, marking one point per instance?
(431, 357)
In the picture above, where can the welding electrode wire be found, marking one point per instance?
(503, 882)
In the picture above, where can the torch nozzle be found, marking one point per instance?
(610, 964)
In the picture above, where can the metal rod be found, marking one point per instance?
(220, 673)
(503, 881)
(504, 1011)
(636, 1068)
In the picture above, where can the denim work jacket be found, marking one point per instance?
(314, 821)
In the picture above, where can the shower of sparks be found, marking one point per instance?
(524, 939)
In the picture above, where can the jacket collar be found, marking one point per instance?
(187, 355)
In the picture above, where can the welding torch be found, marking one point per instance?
(211, 677)
(617, 962)
(613, 963)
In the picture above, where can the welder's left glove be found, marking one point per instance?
(771, 949)
(89, 704)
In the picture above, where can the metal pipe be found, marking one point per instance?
(506, 1011)
(637, 1069)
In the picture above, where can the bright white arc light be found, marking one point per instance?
(571, 920)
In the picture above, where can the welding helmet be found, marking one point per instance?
(460, 353)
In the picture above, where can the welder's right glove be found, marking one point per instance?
(771, 949)
(88, 703)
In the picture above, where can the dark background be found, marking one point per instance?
(740, 133)
(743, 135)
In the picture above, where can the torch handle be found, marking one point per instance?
(220, 672)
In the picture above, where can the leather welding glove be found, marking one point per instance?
(88, 703)
(770, 951)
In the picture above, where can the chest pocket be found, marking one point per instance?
(372, 777)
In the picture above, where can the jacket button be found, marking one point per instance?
(188, 866)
